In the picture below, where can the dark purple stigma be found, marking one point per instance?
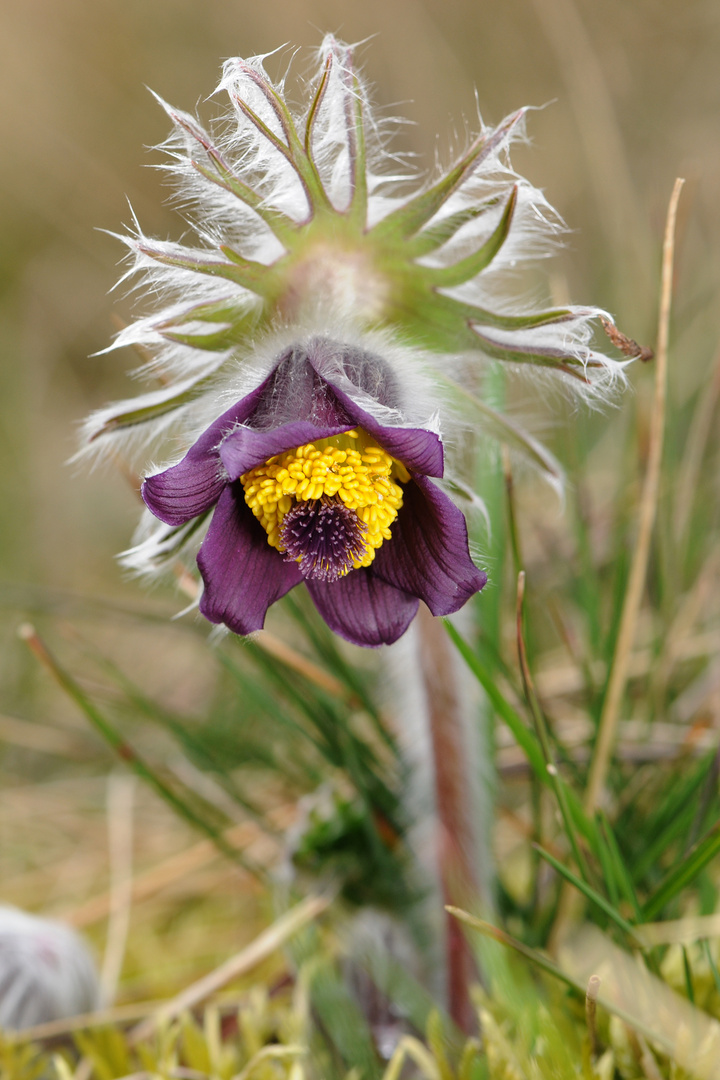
(324, 536)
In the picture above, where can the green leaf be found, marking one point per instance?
(446, 277)
(409, 218)
(617, 870)
(342, 1019)
(283, 226)
(315, 104)
(592, 895)
(293, 149)
(155, 404)
(357, 152)
(225, 177)
(683, 874)
(220, 341)
(244, 272)
(546, 964)
(226, 310)
(435, 236)
(481, 317)
(540, 356)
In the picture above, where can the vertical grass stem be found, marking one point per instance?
(544, 738)
(646, 518)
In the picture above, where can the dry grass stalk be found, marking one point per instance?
(559, 680)
(45, 739)
(120, 800)
(295, 660)
(273, 645)
(178, 866)
(646, 519)
(591, 996)
(264, 945)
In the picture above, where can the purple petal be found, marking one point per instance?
(421, 451)
(363, 609)
(192, 486)
(428, 554)
(245, 448)
(226, 449)
(243, 575)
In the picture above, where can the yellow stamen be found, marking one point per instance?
(349, 467)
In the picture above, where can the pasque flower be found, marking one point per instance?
(308, 483)
(309, 346)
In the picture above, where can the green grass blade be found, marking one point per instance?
(342, 1020)
(674, 815)
(181, 803)
(265, 701)
(541, 729)
(592, 895)
(188, 734)
(619, 870)
(689, 988)
(545, 964)
(325, 645)
(525, 738)
(711, 964)
(607, 865)
(683, 875)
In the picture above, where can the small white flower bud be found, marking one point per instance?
(46, 971)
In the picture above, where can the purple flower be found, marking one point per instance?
(313, 476)
(306, 225)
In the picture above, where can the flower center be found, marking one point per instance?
(328, 505)
(324, 536)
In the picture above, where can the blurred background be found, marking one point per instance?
(629, 97)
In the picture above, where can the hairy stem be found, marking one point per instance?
(454, 805)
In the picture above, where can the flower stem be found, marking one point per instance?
(453, 803)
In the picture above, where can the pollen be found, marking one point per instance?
(349, 472)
